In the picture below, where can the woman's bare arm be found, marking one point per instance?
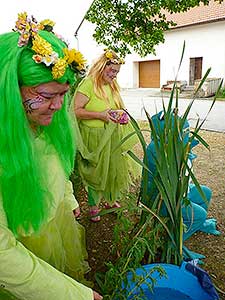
(81, 113)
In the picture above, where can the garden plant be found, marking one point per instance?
(143, 235)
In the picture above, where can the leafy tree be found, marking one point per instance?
(138, 25)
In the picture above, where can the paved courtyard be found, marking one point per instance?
(136, 99)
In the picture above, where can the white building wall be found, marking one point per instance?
(205, 41)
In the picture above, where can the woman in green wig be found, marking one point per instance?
(42, 247)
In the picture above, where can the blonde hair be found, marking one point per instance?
(96, 73)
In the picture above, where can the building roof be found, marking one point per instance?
(199, 15)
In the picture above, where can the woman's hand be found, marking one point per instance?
(115, 120)
(105, 116)
(97, 296)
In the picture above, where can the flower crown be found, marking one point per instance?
(28, 29)
(112, 58)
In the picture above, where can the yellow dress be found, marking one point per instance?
(103, 162)
(34, 266)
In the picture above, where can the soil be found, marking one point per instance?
(209, 168)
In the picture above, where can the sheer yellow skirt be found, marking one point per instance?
(103, 162)
(61, 243)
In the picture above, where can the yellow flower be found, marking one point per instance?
(40, 27)
(41, 46)
(74, 56)
(27, 27)
(43, 52)
(22, 16)
(22, 22)
(47, 22)
(59, 68)
(69, 55)
(109, 54)
(122, 61)
(25, 36)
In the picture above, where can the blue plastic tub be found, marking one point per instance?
(179, 284)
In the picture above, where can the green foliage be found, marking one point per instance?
(131, 244)
(138, 25)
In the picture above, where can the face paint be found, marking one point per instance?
(31, 105)
(42, 101)
(110, 72)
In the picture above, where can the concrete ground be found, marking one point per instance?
(151, 99)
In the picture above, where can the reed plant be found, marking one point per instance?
(172, 170)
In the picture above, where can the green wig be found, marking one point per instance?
(22, 176)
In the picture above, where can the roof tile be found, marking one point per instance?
(200, 14)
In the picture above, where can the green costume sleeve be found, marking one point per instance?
(29, 278)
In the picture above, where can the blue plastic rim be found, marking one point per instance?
(179, 284)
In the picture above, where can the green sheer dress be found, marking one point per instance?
(43, 265)
(103, 162)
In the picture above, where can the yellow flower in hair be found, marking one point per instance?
(22, 16)
(22, 24)
(47, 22)
(69, 55)
(80, 60)
(59, 68)
(108, 54)
(41, 46)
(27, 27)
(25, 36)
(74, 56)
(43, 52)
(114, 59)
(46, 25)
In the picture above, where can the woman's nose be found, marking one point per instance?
(56, 102)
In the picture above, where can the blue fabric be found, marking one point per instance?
(196, 197)
(191, 255)
(204, 279)
(195, 214)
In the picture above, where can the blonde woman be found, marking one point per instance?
(105, 168)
